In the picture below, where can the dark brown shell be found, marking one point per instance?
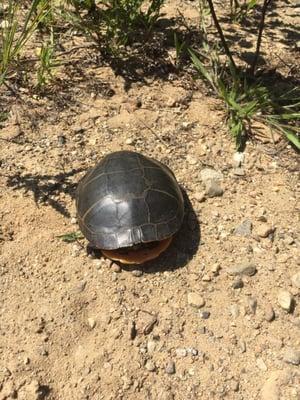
(128, 199)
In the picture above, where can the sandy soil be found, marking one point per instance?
(217, 316)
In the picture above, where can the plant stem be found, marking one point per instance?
(222, 37)
(260, 32)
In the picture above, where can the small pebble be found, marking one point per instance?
(234, 310)
(235, 386)
(261, 364)
(291, 356)
(239, 172)
(199, 196)
(252, 303)
(209, 174)
(181, 352)
(264, 230)
(91, 322)
(285, 300)
(137, 272)
(116, 268)
(213, 189)
(151, 346)
(150, 366)
(204, 314)
(244, 229)
(193, 351)
(170, 368)
(296, 280)
(243, 268)
(269, 313)
(238, 159)
(238, 284)
(191, 160)
(195, 300)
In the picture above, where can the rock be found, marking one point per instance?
(252, 303)
(91, 323)
(129, 142)
(234, 310)
(206, 278)
(244, 229)
(285, 300)
(150, 366)
(204, 314)
(181, 352)
(116, 268)
(213, 189)
(291, 356)
(209, 174)
(80, 287)
(288, 240)
(261, 364)
(238, 159)
(195, 300)
(239, 172)
(296, 280)
(269, 313)
(235, 386)
(264, 230)
(244, 268)
(199, 196)
(137, 272)
(192, 351)
(170, 368)
(237, 283)
(151, 346)
(34, 391)
(191, 159)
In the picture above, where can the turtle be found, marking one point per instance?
(129, 206)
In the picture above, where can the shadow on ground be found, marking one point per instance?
(45, 187)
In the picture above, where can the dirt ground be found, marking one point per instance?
(217, 316)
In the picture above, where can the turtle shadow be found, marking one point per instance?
(182, 249)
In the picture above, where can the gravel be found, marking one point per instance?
(285, 300)
(170, 368)
(150, 366)
(244, 229)
(204, 314)
(238, 283)
(213, 189)
(291, 356)
(296, 280)
(269, 313)
(264, 230)
(243, 268)
(181, 352)
(195, 300)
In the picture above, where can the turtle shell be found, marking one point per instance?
(128, 199)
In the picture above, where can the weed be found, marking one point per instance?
(71, 237)
(246, 97)
(13, 37)
(239, 11)
(247, 101)
(114, 23)
(47, 61)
